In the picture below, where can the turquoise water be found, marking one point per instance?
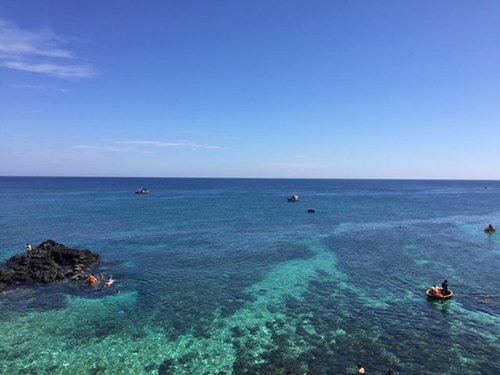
(224, 276)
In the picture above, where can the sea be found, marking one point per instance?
(225, 276)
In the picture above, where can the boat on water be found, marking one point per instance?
(142, 191)
(438, 297)
(293, 198)
(489, 229)
(311, 210)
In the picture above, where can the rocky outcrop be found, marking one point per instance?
(49, 262)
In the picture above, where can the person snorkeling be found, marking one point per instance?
(361, 369)
(109, 282)
(92, 279)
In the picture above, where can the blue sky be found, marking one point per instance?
(278, 89)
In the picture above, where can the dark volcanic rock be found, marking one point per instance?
(49, 262)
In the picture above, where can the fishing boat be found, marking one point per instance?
(441, 297)
(293, 198)
(142, 191)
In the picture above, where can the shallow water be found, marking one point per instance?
(224, 276)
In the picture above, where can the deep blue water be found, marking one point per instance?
(224, 276)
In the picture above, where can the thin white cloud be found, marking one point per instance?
(58, 70)
(129, 146)
(293, 165)
(160, 144)
(210, 147)
(38, 87)
(102, 148)
(195, 132)
(40, 52)
(179, 144)
(302, 157)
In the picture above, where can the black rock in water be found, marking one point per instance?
(48, 263)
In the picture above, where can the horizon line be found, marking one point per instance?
(262, 178)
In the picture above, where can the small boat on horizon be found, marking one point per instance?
(142, 191)
(293, 198)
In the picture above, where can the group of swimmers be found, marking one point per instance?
(92, 279)
(440, 292)
(77, 269)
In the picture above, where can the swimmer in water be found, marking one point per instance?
(92, 279)
(109, 282)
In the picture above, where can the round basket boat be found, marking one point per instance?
(430, 295)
